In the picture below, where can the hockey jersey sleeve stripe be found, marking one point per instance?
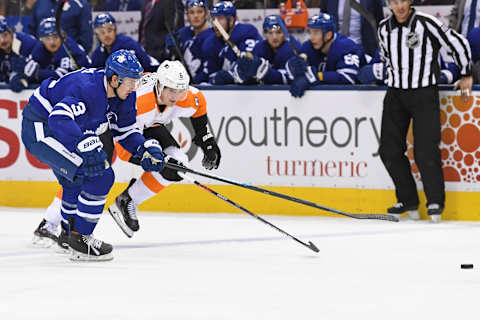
(125, 135)
(346, 77)
(64, 106)
(122, 129)
(44, 102)
(348, 70)
(61, 113)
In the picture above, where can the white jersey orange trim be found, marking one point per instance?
(149, 115)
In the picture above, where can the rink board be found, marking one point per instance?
(190, 198)
(321, 148)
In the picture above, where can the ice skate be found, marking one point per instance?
(399, 208)
(435, 212)
(45, 236)
(87, 248)
(124, 212)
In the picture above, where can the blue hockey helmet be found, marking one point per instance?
(46, 27)
(3, 25)
(224, 8)
(322, 21)
(103, 19)
(124, 64)
(272, 21)
(197, 3)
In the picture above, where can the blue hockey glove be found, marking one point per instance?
(296, 67)
(221, 77)
(299, 85)
(18, 82)
(89, 147)
(151, 155)
(372, 73)
(252, 67)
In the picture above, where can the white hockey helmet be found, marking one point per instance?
(172, 74)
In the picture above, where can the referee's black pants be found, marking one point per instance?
(422, 105)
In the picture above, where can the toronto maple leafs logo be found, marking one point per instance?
(121, 58)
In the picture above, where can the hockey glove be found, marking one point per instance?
(252, 67)
(151, 154)
(221, 77)
(94, 158)
(296, 67)
(18, 82)
(298, 86)
(372, 73)
(211, 152)
(171, 174)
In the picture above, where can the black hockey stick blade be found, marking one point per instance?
(312, 246)
(283, 196)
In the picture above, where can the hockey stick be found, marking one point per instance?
(282, 196)
(310, 245)
(226, 37)
(58, 17)
(284, 29)
(169, 30)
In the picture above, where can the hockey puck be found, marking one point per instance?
(466, 266)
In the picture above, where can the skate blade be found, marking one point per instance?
(42, 242)
(77, 256)
(117, 216)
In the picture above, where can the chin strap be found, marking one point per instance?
(324, 43)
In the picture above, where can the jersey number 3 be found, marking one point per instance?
(78, 109)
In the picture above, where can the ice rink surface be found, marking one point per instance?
(193, 266)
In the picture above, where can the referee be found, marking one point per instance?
(409, 46)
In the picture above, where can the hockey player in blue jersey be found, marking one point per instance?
(76, 19)
(60, 127)
(269, 55)
(473, 38)
(375, 72)
(220, 58)
(332, 57)
(15, 47)
(192, 37)
(110, 41)
(50, 59)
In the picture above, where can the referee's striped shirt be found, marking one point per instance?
(410, 50)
